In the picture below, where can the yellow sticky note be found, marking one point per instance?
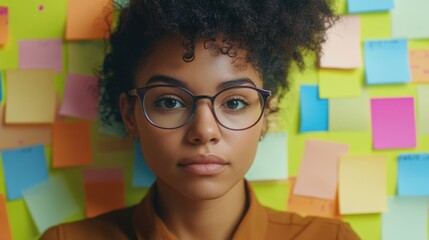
(30, 96)
(419, 64)
(343, 117)
(339, 83)
(362, 184)
(4, 25)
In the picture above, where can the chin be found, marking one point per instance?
(205, 189)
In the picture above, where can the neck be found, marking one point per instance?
(212, 219)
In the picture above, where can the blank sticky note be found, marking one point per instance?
(85, 57)
(80, 97)
(413, 175)
(5, 232)
(41, 54)
(386, 62)
(339, 83)
(142, 174)
(88, 20)
(393, 123)
(104, 190)
(342, 117)
(24, 168)
(359, 6)
(30, 96)
(271, 159)
(71, 144)
(4, 25)
(423, 109)
(405, 219)
(410, 18)
(342, 48)
(318, 174)
(313, 110)
(419, 64)
(362, 184)
(50, 203)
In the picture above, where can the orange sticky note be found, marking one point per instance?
(4, 25)
(5, 233)
(88, 20)
(419, 64)
(71, 144)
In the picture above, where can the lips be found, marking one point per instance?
(203, 165)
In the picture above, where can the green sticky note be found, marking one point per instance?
(410, 18)
(423, 109)
(339, 83)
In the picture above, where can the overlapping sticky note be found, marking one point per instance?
(80, 97)
(343, 117)
(410, 18)
(313, 110)
(41, 54)
(339, 83)
(5, 232)
(419, 64)
(405, 219)
(362, 184)
(85, 57)
(386, 61)
(423, 109)
(271, 159)
(4, 25)
(87, 20)
(104, 190)
(71, 144)
(359, 6)
(342, 48)
(30, 96)
(142, 174)
(24, 168)
(318, 175)
(50, 202)
(393, 123)
(413, 175)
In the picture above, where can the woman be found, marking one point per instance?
(192, 81)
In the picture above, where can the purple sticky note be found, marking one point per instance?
(41, 54)
(393, 123)
(80, 97)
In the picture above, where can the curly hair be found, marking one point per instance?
(273, 33)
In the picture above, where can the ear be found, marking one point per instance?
(126, 107)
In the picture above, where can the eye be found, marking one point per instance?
(169, 103)
(236, 104)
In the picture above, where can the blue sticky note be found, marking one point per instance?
(386, 61)
(142, 174)
(24, 168)
(313, 110)
(358, 6)
(413, 175)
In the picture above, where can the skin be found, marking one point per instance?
(194, 206)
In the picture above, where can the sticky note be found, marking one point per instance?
(313, 110)
(405, 219)
(5, 232)
(318, 174)
(85, 57)
(386, 62)
(410, 18)
(41, 54)
(142, 174)
(423, 108)
(71, 144)
(342, 47)
(344, 118)
(271, 159)
(413, 175)
(359, 6)
(50, 202)
(339, 83)
(419, 64)
(80, 97)
(362, 184)
(30, 96)
(393, 123)
(24, 168)
(104, 190)
(88, 20)
(4, 25)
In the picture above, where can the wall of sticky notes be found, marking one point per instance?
(351, 139)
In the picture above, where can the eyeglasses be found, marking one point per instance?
(170, 107)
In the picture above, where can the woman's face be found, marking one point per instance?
(200, 160)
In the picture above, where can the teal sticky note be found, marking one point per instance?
(24, 168)
(413, 175)
(50, 202)
(271, 159)
(313, 110)
(142, 174)
(359, 6)
(406, 218)
(386, 62)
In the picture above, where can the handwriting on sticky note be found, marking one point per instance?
(41, 54)
(419, 64)
(4, 25)
(413, 175)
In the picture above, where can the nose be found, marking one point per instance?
(203, 128)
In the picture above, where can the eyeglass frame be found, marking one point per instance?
(141, 92)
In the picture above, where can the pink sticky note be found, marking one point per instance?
(393, 123)
(318, 175)
(80, 97)
(4, 25)
(45, 54)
